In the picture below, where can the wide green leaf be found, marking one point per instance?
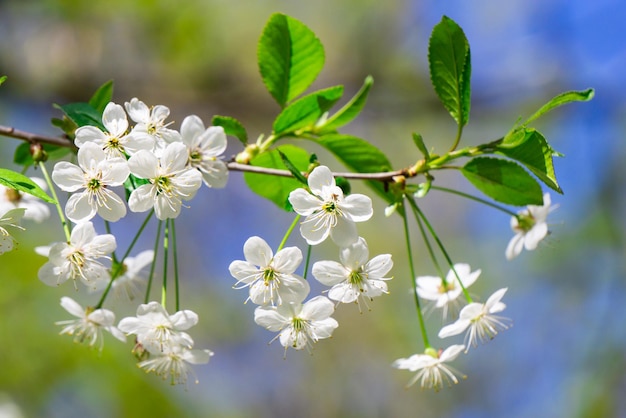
(359, 156)
(307, 110)
(82, 114)
(536, 154)
(560, 100)
(15, 180)
(503, 181)
(290, 57)
(102, 97)
(277, 188)
(232, 127)
(350, 110)
(450, 68)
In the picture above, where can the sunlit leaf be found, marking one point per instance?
(307, 110)
(22, 183)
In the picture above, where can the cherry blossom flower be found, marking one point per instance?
(131, 283)
(9, 219)
(95, 174)
(156, 330)
(78, 259)
(171, 181)
(173, 362)
(151, 121)
(270, 277)
(90, 323)
(299, 325)
(114, 141)
(327, 211)
(479, 320)
(446, 295)
(431, 368)
(204, 146)
(36, 209)
(354, 276)
(530, 227)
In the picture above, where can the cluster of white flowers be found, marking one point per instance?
(281, 294)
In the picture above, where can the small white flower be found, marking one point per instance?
(131, 283)
(9, 219)
(158, 331)
(115, 142)
(173, 362)
(152, 122)
(327, 211)
(431, 368)
(95, 174)
(299, 325)
(171, 181)
(79, 258)
(530, 227)
(479, 320)
(446, 295)
(204, 146)
(90, 323)
(36, 209)
(356, 275)
(270, 277)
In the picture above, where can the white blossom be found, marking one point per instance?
(170, 181)
(173, 362)
(327, 211)
(90, 323)
(530, 227)
(270, 277)
(131, 283)
(355, 275)
(95, 174)
(299, 325)
(432, 372)
(36, 209)
(204, 146)
(479, 320)
(445, 295)
(78, 259)
(151, 121)
(9, 219)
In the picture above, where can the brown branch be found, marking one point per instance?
(35, 138)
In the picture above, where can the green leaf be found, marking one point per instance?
(419, 143)
(297, 174)
(350, 110)
(3, 79)
(22, 183)
(24, 158)
(503, 181)
(277, 188)
(560, 100)
(102, 97)
(306, 111)
(536, 154)
(82, 114)
(232, 127)
(359, 156)
(290, 57)
(450, 68)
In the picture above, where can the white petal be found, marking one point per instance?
(455, 328)
(257, 251)
(115, 209)
(214, 173)
(494, 299)
(144, 164)
(378, 266)
(89, 155)
(183, 320)
(72, 307)
(287, 260)
(82, 234)
(317, 309)
(69, 177)
(79, 208)
(174, 157)
(357, 207)
(344, 293)
(191, 128)
(213, 141)
(303, 202)
(515, 246)
(187, 183)
(535, 235)
(142, 198)
(137, 110)
(115, 171)
(86, 134)
(324, 328)
(313, 234)
(451, 352)
(329, 273)
(319, 178)
(114, 119)
(197, 356)
(355, 255)
(243, 271)
(344, 233)
(269, 318)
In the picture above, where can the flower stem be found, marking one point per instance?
(477, 199)
(420, 315)
(175, 253)
(308, 260)
(429, 247)
(459, 132)
(66, 227)
(288, 233)
(153, 265)
(107, 228)
(166, 244)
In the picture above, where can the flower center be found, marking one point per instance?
(269, 275)
(356, 279)
(195, 157)
(164, 185)
(114, 144)
(94, 184)
(447, 287)
(525, 222)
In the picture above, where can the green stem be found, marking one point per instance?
(153, 265)
(477, 199)
(166, 244)
(175, 253)
(288, 233)
(308, 260)
(429, 247)
(459, 132)
(420, 315)
(107, 228)
(66, 227)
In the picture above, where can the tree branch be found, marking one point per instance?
(35, 138)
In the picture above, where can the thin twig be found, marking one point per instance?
(35, 138)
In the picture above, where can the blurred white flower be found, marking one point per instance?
(530, 227)
(36, 209)
(431, 368)
(173, 362)
(446, 295)
(131, 283)
(9, 219)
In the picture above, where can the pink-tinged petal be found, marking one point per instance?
(329, 273)
(86, 134)
(243, 271)
(69, 177)
(115, 171)
(79, 208)
(324, 328)
(357, 207)
(142, 198)
(191, 128)
(455, 328)
(114, 119)
(515, 246)
(344, 293)
(72, 307)
(287, 260)
(320, 178)
(355, 255)
(344, 233)
(535, 235)
(269, 318)
(137, 110)
(451, 352)
(115, 208)
(82, 234)
(144, 164)
(174, 157)
(303, 202)
(183, 320)
(257, 251)
(378, 266)
(317, 309)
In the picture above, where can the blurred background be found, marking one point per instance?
(565, 356)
